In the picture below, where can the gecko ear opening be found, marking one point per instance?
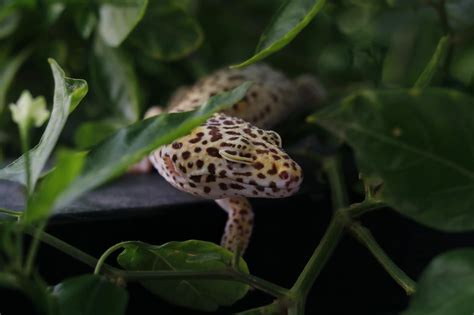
(235, 156)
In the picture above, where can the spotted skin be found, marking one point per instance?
(239, 225)
(229, 157)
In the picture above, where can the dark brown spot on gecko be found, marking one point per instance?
(273, 170)
(236, 186)
(186, 155)
(176, 145)
(212, 168)
(195, 178)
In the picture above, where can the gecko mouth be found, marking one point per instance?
(283, 189)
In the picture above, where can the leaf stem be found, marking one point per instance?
(67, 248)
(320, 256)
(109, 251)
(331, 238)
(332, 166)
(221, 274)
(33, 248)
(11, 212)
(25, 146)
(364, 236)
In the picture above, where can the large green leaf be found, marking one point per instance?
(446, 286)
(291, 19)
(67, 95)
(167, 32)
(90, 295)
(118, 19)
(115, 80)
(44, 198)
(206, 295)
(129, 145)
(420, 143)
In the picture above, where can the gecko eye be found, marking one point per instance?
(236, 156)
(273, 138)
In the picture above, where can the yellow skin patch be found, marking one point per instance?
(229, 157)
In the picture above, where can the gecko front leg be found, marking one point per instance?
(239, 224)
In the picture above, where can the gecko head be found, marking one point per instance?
(228, 157)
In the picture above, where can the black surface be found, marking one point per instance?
(128, 195)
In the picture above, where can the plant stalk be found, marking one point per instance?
(320, 256)
(33, 248)
(221, 274)
(364, 236)
(67, 248)
(109, 251)
(332, 166)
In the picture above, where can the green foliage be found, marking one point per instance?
(33, 288)
(446, 286)
(415, 141)
(90, 295)
(205, 295)
(9, 67)
(117, 20)
(291, 19)
(114, 75)
(67, 95)
(68, 167)
(179, 33)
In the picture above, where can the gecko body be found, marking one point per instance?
(231, 157)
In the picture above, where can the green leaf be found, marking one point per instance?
(434, 64)
(34, 288)
(91, 133)
(462, 64)
(8, 70)
(118, 19)
(446, 286)
(205, 295)
(420, 143)
(167, 32)
(290, 19)
(67, 95)
(129, 145)
(9, 20)
(114, 79)
(85, 20)
(44, 198)
(90, 295)
(459, 14)
(9, 237)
